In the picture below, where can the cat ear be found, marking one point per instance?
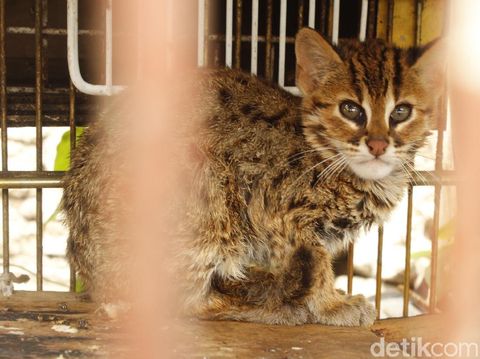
(315, 57)
(431, 66)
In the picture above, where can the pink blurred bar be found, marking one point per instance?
(158, 101)
(464, 79)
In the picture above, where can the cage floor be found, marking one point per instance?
(63, 325)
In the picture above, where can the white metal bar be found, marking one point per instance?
(72, 56)
(293, 90)
(229, 34)
(254, 43)
(363, 21)
(108, 47)
(282, 43)
(336, 21)
(201, 33)
(311, 13)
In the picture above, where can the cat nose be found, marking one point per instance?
(377, 147)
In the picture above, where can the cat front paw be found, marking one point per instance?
(348, 311)
(363, 313)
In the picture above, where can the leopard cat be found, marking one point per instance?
(282, 183)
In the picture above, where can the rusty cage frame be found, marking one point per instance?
(58, 114)
(377, 17)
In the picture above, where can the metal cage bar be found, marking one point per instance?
(25, 30)
(72, 53)
(254, 41)
(229, 34)
(238, 33)
(73, 142)
(282, 43)
(53, 179)
(378, 281)
(418, 22)
(363, 21)
(324, 17)
(206, 31)
(4, 139)
(311, 13)
(268, 40)
(436, 213)
(408, 250)
(372, 19)
(201, 34)
(391, 9)
(301, 9)
(108, 48)
(350, 267)
(39, 139)
(31, 179)
(336, 21)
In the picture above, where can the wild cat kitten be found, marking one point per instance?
(281, 183)
(287, 182)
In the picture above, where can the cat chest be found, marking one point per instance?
(339, 230)
(339, 224)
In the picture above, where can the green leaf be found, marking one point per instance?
(79, 286)
(421, 254)
(53, 216)
(62, 159)
(446, 235)
(62, 163)
(447, 231)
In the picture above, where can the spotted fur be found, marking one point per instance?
(274, 214)
(272, 203)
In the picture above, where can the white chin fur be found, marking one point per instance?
(372, 170)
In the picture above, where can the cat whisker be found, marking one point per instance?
(341, 169)
(304, 153)
(414, 171)
(333, 168)
(338, 170)
(297, 159)
(407, 173)
(312, 168)
(326, 170)
(330, 169)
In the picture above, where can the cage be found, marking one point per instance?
(41, 87)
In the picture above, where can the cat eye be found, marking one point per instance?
(353, 112)
(401, 113)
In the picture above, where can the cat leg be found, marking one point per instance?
(328, 305)
(302, 292)
(257, 298)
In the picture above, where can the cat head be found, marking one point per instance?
(371, 104)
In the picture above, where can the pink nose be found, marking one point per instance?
(377, 147)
